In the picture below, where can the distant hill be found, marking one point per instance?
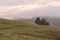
(54, 21)
(26, 20)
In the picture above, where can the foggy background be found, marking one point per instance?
(29, 8)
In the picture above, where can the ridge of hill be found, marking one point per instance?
(54, 21)
(9, 23)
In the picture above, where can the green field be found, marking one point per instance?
(12, 30)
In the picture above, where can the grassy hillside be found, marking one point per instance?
(12, 30)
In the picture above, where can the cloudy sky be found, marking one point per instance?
(29, 8)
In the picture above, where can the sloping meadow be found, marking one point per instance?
(12, 30)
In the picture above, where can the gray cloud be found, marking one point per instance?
(22, 2)
(29, 8)
(15, 2)
(51, 11)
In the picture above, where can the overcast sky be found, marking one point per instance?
(29, 8)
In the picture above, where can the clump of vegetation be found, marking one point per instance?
(41, 22)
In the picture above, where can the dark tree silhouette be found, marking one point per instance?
(37, 20)
(41, 22)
